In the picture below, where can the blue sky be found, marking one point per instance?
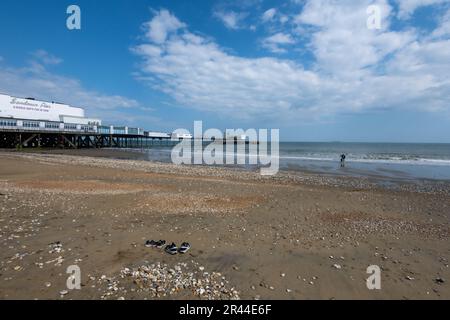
(311, 68)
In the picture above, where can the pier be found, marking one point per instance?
(31, 123)
(60, 135)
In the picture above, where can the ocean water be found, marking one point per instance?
(378, 160)
(388, 160)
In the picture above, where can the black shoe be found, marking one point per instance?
(160, 244)
(171, 249)
(184, 247)
(150, 243)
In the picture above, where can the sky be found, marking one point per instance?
(311, 68)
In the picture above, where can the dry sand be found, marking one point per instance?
(293, 236)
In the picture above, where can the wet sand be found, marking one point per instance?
(293, 236)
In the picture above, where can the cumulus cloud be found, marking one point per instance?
(231, 19)
(200, 74)
(354, 69)
(341, 42)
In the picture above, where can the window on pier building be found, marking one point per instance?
(87, 128)
(8, 123)
(70, 126)
(49, 125)
(31, 124)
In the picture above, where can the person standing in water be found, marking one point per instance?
(343, 160)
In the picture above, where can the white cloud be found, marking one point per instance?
(269, 15)
(284, 18)
(199, 74)
(231, 19)
(36, 81)
(408, 7)
(276, 42)
(273, 16)
(161, 25)
(367, 62)
(46, 58)
(343, 44)
(355, 69)
(444, 26)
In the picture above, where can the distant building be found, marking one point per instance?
(178, 136)
(239, 137)
(158, 135)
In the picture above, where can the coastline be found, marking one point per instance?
(297, 235)
(137, 160)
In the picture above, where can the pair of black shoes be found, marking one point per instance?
(155, 244)
(173, 250)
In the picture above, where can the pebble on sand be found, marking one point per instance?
(439, 280)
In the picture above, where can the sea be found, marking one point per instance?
(404, 161)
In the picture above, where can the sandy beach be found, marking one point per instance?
(292, 236)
